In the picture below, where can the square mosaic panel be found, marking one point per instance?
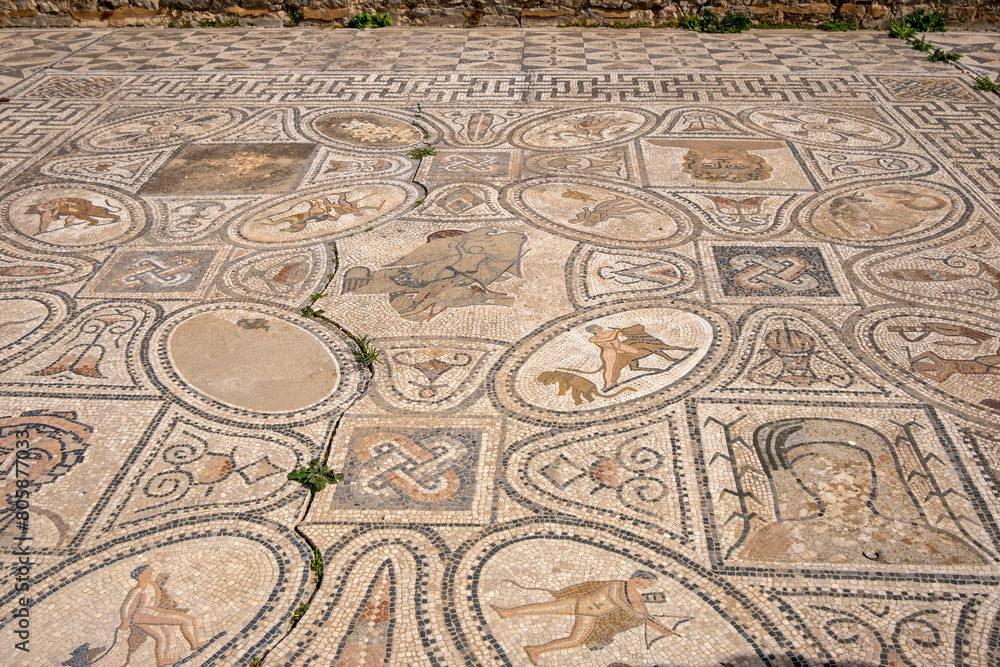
(773, 271)
(181, 272)
(231, 169)
(406, 468)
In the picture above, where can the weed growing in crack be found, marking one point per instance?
(316, 565)
(422, 152)
(918, 22)
(314, 476)
(366, 352)
(299, 612)
(256, 662)
(941, 56)
(984, 83)
(902, 31)
(425, 150)
(421, 127)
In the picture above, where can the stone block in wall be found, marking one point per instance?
(613, 14)
(33, 19)
(324, 13)
(541, 16)
(450, 17)
(766, 12)
(129, 16)
(266, 21)
(668, 13)
(500, 19)
(187, 5)
(247, 12)
(815, 10)
(610, 4)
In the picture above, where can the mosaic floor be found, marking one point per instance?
(690, 349)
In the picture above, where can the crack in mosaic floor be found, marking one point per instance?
(689, 342)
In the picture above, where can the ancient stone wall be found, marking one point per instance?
(962, 14)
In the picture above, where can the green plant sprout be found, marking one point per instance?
(299, 612)
(422, 152)
(315, 477)
(902, 31)
(295, 15)
(941, 56)
(364, 21)
(709, 22)
(316, 565)
(921, 21)
(838, 25)
(366, 353)
(984, 83)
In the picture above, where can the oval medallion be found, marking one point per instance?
(881, 213)
(326, 211)
(159, 128)
(361, 129)
(608, 215)
(947, 358)
(582, 128)
(230, 359)
(608, 361)
(829, 129)
(75, 216)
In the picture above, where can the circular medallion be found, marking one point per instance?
(159, 128)
(73, 216)
(25, 317)
(327, 211)
(228, 359)
(829, 129)
(608, 362)
(948, 358)
(366, 130)
(503, 610)
(582, 128)
(881, 213)
(184, 596)
(606, 215)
